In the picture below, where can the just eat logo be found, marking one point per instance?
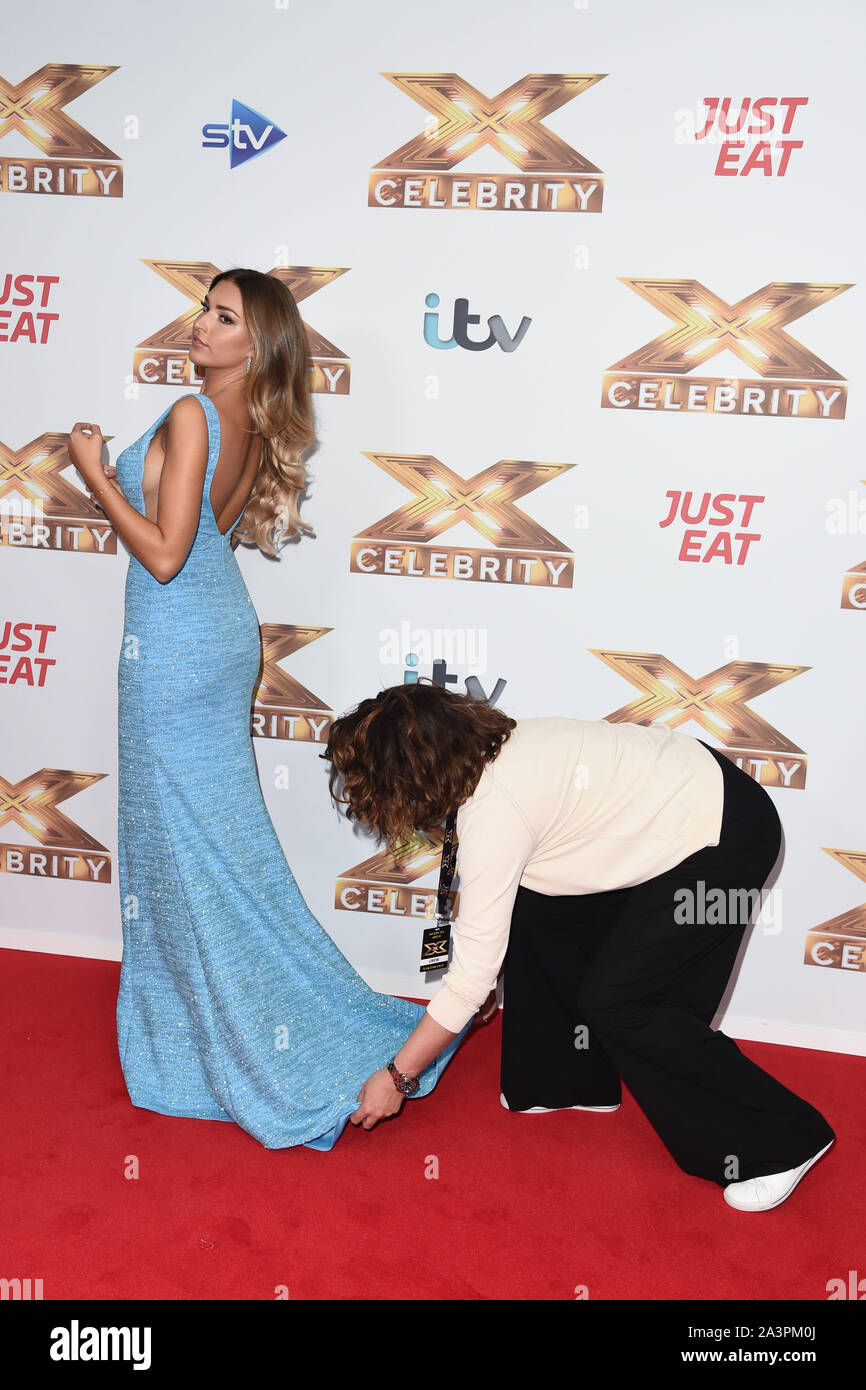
(763, 117)
(718, 526)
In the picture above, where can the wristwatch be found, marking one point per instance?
(407, 1084)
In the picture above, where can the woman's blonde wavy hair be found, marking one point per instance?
(411, 755)
(280, 403)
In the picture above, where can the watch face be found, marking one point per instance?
(406, 1084)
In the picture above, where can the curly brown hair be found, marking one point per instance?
(411, 755)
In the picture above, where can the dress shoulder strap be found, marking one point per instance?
(213, 429)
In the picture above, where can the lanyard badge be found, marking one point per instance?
(437, 938)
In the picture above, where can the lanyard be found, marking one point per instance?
(446, 869)
(436, 939)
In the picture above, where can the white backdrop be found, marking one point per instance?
(316, 73)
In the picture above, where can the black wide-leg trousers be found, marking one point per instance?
(601, 987)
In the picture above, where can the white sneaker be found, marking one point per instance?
(761, 1194)
(545, 1110)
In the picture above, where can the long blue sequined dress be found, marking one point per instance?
(234, 1003)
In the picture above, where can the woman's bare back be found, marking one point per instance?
(235, 472)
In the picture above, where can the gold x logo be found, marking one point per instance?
(32, 107)
(276, 686)
(434, 948)
(32, 805)
(715, 701)
(852, 922)
(193, 279)
(751, 328)
(510, 122)
(422, 851)
(33, 473)
(441, 499)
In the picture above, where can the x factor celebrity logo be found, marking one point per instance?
(163, 358)
(553, 177)
(792, 380)
(519, 550)
(841, 942)
(282, 707)
(717, 702)
(62, 849)
(854, 588)
(387, 885)
(40, 509)
(854, 581)
(73, 161)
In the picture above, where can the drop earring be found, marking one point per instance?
(249, 360)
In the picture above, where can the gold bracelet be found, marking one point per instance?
(102, 490)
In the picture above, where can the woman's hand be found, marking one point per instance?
(84, 446)
(378, 1098)
(488, 1008)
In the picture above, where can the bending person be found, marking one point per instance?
(588, 854)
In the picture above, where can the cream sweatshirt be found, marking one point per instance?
(569, 806)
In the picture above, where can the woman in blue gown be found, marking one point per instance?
(234, 1003)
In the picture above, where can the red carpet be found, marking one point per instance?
(525, 1207)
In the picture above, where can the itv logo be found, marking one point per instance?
(459, 332)
(248, 134)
